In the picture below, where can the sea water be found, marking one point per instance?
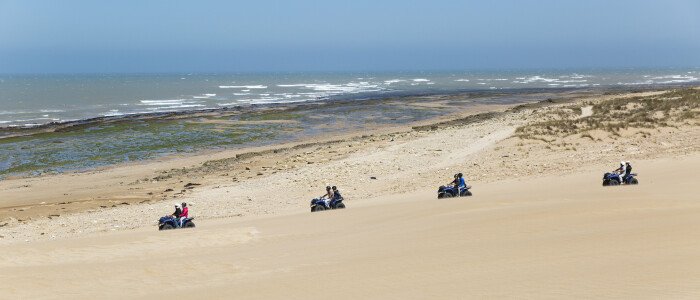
(29, 100)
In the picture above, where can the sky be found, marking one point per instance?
(361, 35)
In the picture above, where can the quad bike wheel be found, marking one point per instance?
(634, 181)
(340, 206)
(318, 208)
(166, 227)
(613, 182)
(189, 225)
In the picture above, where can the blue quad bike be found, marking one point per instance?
(317, 204)
(612, 179)
(447, 191)
(170, 222)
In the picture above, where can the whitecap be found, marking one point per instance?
(636, 83)
(259, 86)
(390, 81)
(113, 113)
(675, 79)
(462, 80)
(185, 106)
(421, 80)
(204, 96)
(162, 102)
(536, 78)
(294, 85)
(332, 89)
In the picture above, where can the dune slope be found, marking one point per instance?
(548, 237)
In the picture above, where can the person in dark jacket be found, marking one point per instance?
(336, 196)
(177, 213)
(628, 169)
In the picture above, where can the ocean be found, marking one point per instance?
(30, 100)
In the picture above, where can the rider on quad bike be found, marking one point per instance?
(327, 197)
(624, 170)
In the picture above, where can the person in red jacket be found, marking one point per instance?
(185, 213)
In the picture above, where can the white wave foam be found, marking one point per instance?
(576, 76)
(333, 89)
(5, 122)
(113, 113)
(185, 106)
(421, 80)
(52, 110)
(5, 112)
(675, 79)
(259, 86)
(204, 96)
(572, 81)
(390, 81)
(462, 80)
(636, 83)
(295, 85)
(162, 102)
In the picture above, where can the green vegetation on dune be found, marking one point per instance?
(670, 109)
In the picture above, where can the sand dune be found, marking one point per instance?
(549, 237)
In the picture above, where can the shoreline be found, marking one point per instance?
(8, 131)
(81, 147)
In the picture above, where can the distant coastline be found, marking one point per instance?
(24, 130)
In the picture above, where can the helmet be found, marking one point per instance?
(184, 204)
(456, 175)
(334, 188)
(328, 187)
(177, 204)
(622, 162)
(459, 175)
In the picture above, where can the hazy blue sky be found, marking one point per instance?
(241, 36)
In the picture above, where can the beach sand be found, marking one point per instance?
(539, 225)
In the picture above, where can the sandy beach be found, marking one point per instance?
(539, 225)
